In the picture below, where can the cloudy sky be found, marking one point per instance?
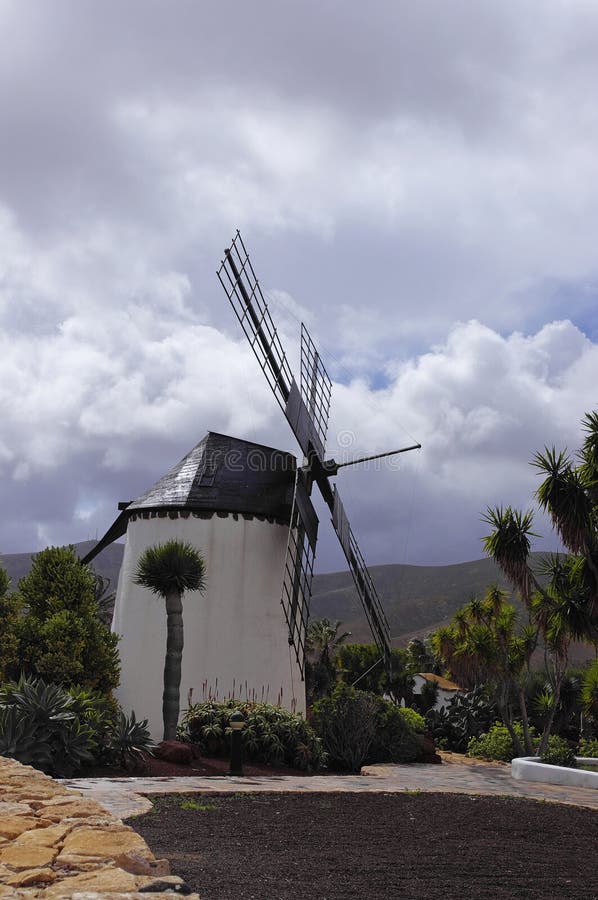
(418, 182)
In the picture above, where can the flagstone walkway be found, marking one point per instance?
(123, 796)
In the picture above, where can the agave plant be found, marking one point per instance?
(130, 741)
(20, 739)
(40, 726)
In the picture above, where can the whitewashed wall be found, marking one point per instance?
(235, 633)
(443, 697)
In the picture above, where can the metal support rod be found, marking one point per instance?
(361, 459)
(331, 466)
(367, 671)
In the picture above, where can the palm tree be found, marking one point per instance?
(566, 608)
(589, 691)
(324, 640)
(169, 570)
(483, 646)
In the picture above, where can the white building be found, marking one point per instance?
(446, 689)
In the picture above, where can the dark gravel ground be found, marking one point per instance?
(372, 846)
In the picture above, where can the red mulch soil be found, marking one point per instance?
(158, 768)
(370, 846)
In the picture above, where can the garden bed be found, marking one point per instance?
(336, 846)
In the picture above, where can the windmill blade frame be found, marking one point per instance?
(241, 285)
(244, 293)
(299, 568)
(316, 391)
(364, 583)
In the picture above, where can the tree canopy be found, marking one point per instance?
(59, 635)
(565, 607)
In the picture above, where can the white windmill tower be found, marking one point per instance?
(248, 509)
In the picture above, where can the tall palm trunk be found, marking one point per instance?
(527, 738)
(172, 663)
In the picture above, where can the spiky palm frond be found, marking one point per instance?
(529, 638)
(563, 615)
(172, 566)
(509, 545)
(582, 573)
(589, 691)
(323, 638)
(589, 450)
(494, 598)
(475, 611)
(443, 642)
(553, 566)
(563, 494)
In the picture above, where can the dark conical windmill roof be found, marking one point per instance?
(226, 474)
(220, 474)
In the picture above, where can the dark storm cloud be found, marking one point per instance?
(398, 169)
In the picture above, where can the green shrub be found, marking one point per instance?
(361, 663)
(346, 722)
(496, 744)
(395, 738)
(271, 735)
(588, 747)
(358, 727)
(414, 719)
(60, 637)
(467, 715)
(40, 727)
(558, 753)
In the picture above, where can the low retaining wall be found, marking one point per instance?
(55, 844)
(529, 768)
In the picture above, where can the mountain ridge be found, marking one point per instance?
(416, 599)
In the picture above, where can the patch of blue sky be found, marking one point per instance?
(557, 299)
(377, 379)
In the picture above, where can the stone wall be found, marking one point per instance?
(55, 844)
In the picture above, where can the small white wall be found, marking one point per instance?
(531, 768)
(235, 633)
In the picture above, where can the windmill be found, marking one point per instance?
(248, 509)
(306, 408)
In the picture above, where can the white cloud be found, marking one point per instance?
(481, 405)
(396, 169)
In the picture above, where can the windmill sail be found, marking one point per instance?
(362, 578)
(316, 391)
(306, 408)
(299, 568)
(244, 293)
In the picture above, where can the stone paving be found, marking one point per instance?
(123, 796)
